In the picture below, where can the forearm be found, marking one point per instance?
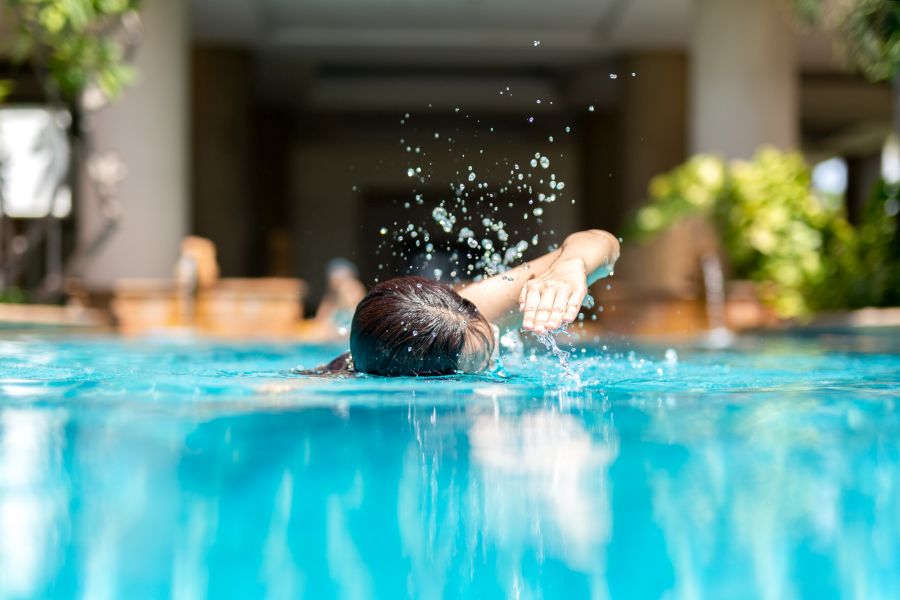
(593, 251)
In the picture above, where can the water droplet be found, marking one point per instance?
(671, 357)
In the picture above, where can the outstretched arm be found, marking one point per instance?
(549, 290)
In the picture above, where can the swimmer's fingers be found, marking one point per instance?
(560, 304)
(574, 304)
(522, 296)
(532, 300)
(544, 308)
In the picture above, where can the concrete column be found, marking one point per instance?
(147, 128)
(222, 152)
(743, 78)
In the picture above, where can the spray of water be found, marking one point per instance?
(571, 370)
(466, 237)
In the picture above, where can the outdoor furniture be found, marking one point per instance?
(230, 307)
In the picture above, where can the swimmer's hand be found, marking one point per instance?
(554, 297)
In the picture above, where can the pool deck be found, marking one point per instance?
(28, 316)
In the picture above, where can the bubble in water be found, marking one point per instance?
(613, 76)
(537, 43)
(538, 211)
(530, 119)
(545, 162)
(472, 176)
(533, 162)
(591, 108)
(410, 172)
(383, 231)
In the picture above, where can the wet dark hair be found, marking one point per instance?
(414, 326)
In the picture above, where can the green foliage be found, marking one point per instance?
(12, 295)
(5, 88)
(777, 231)
(74, 41)
(868, 31)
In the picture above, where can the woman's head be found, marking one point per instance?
(416, 326)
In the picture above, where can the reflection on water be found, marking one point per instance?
(33, 499)
(782, 489)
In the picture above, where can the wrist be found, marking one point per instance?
(571, 263)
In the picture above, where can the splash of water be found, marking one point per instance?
(571, 370)
(465, 237)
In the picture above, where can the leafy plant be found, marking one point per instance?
(73, 42)
(867, 31)
(777, 231)
(12, 295)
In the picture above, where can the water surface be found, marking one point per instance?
(137, 469)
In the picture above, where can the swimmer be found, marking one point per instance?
(416, 326)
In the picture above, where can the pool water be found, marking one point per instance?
(192, 469)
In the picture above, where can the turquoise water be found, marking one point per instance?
(194, 469)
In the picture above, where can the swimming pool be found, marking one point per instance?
(198, 469)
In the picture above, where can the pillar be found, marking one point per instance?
(147, 128)
(743, 78)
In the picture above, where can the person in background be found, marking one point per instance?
(343, 292)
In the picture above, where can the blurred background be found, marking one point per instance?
(278, 130)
